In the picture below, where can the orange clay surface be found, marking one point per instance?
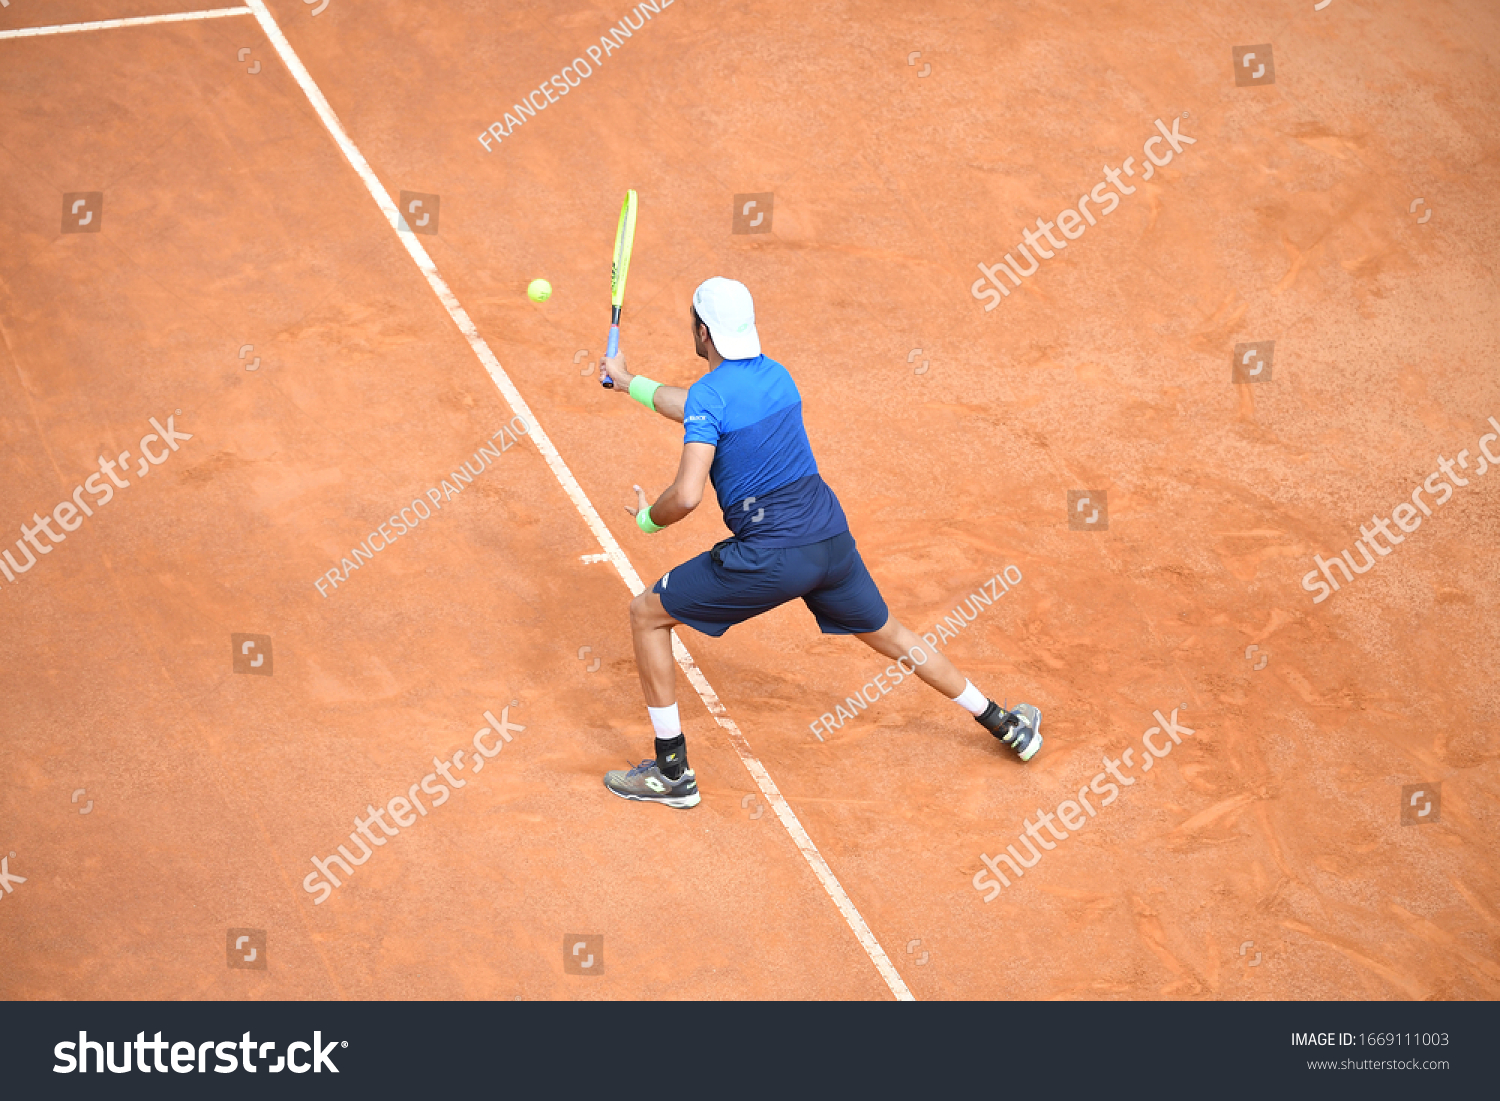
(231, 218)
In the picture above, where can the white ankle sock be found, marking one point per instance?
(971, 699)
(665, 722)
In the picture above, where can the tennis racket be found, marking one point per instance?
(624, 235)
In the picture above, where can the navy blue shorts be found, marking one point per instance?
(737, 581)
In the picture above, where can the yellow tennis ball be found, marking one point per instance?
(539, 291)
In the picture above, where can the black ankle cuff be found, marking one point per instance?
(671, 756)
(993, 719)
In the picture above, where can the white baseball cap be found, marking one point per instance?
(727, 309)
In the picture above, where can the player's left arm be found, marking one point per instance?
(667, 400)
(684, 494)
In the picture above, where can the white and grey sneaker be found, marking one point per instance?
(649, 784)
(1020, 728)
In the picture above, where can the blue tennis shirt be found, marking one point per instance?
(764, 473)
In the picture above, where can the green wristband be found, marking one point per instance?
(644, 391)
(645, 523)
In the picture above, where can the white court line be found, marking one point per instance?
(612, 551)
(110, 24)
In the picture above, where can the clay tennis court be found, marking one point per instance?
(158, 805)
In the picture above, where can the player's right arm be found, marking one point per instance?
(669, 401)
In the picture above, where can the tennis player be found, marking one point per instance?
(742, 428)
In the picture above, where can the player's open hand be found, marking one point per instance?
(640, 501)
(613, 367)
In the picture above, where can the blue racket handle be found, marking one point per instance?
(613, 349)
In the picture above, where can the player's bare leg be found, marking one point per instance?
(651, 632)
(665, 778)
(895, 640)
(1019, 728)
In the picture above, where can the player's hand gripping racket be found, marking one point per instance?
(624, 235)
